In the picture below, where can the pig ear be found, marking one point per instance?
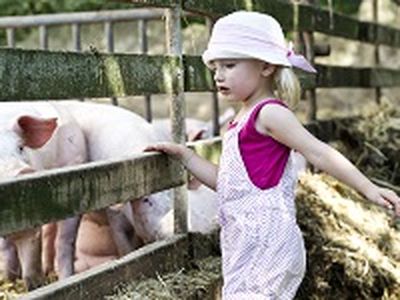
(35, 131)
(193, 184)
(195, 135)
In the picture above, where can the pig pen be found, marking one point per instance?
(351, 245)
(339, 266)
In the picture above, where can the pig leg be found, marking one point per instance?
(67, 231)
(11, 261)
(49, 233)
(121, 229)
(29, 244)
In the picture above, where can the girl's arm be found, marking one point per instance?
(202, 169)
(280, 123)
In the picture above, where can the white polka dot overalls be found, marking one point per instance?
(263, 254)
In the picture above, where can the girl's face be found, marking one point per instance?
(241, 79)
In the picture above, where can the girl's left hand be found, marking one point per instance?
(388, 199)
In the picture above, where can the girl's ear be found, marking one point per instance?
(268, 69)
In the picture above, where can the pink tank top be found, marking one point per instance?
(264, 157)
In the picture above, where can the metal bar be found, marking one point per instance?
(43, 37)
(109, 37)
(142, 28)
(81, 17)
(143, 42)
(76, 36)
(378, 92)
(11, 37)
(214, 94)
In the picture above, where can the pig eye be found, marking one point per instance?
(147, 200)
(20, 148)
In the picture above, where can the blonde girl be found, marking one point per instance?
(262, 246)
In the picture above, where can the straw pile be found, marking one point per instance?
(184, 284)
(11, 290)
(353, 246)
(373, 143)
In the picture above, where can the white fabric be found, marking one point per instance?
(255, 35)
(263, 254)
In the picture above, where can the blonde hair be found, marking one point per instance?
(287, 86)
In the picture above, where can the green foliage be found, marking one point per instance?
(343, 6)
(32, 7)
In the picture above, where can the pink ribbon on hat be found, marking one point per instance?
(299, 61)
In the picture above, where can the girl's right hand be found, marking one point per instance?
(177, 150)
(201, 168)
(168, 148)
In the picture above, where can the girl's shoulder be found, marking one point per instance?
(265, 103)
(265, 113)
(273, 112)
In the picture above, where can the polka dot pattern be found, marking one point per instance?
(263, 254)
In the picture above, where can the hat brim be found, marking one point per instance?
(213, 54)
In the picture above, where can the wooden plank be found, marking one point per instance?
(334, 76)
(160, 257)
(199, 79)
(302, 17)
(381, 77)
(329, 130)
(37, 74)
(197, 76)
(36, 199)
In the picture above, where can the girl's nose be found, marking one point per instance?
(218, 76)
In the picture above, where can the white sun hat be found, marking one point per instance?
(244, 34)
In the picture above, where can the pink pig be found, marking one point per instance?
(33, 138)
(111, 132)
(115, 132)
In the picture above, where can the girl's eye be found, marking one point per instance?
(230, 65)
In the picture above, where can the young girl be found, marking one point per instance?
(262, 247)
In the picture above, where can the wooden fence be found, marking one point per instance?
(24, 74)
(75, 20)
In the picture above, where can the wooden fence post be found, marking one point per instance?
(177, 105)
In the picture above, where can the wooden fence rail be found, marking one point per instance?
(76, 20)
(39, 74)
(53, 195)
(292, 16)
